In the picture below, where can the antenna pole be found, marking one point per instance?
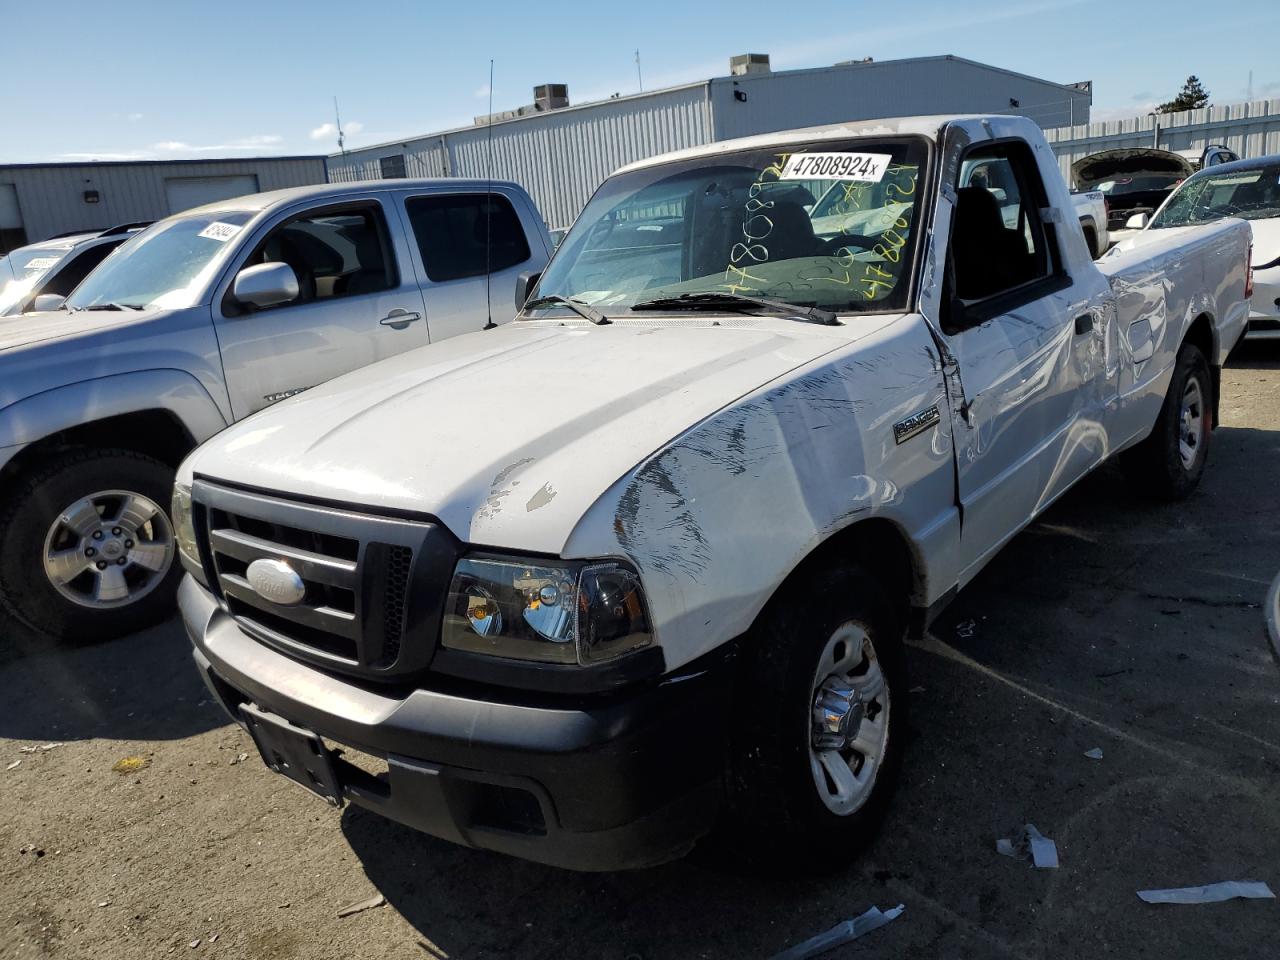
(639, 79)
(488, 213)
(338, 117)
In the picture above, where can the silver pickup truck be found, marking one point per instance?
(638, 567)
(199, 321)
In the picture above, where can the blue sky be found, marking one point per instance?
(178, 79)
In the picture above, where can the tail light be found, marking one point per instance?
(1248, 279)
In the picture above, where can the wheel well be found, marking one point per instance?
(1200, 335)
(156, 433)
(876, 545)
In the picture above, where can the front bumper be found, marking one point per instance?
(628, 781)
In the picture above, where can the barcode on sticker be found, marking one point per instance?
(222, 232)
(836, 166)
(40, 263)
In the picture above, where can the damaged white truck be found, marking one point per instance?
(636, 570)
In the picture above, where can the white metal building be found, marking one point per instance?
(560, 154)
(42, 200)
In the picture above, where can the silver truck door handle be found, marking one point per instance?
(399, 318)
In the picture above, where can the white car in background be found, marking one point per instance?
(55, 266)
(1249, 190)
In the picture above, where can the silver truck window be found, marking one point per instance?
(167, 265)
(452, 234)
(828, 224)
(333, 253)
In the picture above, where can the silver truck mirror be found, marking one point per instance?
(47, 301)
(524, 286)
(1138, 221)
(265, 285)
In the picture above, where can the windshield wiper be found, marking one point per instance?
(718, 301)
(114, 306)
(577, 306)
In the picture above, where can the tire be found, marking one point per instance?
(96, 584)
(775, 814)
(1158, 466)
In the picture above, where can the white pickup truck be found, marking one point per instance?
(196, 322)
(637, 569)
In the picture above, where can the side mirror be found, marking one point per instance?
(524, 286)
(265, 285)
(1138, 221)
(47, 301)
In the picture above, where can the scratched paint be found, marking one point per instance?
(546, 493)
(500, 489)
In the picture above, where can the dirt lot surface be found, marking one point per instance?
(1110, 623)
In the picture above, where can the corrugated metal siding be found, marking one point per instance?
(559, 157)
(1251, 129)
(867, 91)
(52, 197)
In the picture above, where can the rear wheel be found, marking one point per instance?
(90, 550)
(818, 746)
(1169, 463)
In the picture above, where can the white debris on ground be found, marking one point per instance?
(1211, 893)
(840, 934)
(1094, 754)
(1031, 842)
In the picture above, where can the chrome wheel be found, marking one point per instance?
(849, 726)
(1191, 423)
(109, 549)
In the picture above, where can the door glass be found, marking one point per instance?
(998, 242)
(452, 231)
(333, 254)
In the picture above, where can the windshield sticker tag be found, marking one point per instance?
(222, 232)
(870, 167)
(40, 263)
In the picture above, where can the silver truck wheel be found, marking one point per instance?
(850, 723)
(108, 549)
(1191, 424)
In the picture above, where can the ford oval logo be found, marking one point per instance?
(276, 581)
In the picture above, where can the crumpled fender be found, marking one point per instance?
(60, 408)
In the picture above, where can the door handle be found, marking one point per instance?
(1084, 323)
(399, 318)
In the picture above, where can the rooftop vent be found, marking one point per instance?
(747, 63)
(551, 96)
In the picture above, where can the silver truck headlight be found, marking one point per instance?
(184, 528)
(555, 613)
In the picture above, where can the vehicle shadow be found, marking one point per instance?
(139, 687)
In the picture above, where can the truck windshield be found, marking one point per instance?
(166, 266)
(829, 224)
(1249, 194)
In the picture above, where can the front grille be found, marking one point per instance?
(374, 586)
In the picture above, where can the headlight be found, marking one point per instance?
(554, 613)
(184, 528)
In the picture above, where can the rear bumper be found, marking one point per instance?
(626, 782)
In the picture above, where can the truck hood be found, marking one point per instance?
(508, 436)
(29, 328)
(1109, 164)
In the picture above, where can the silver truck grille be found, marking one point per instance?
(360, 613)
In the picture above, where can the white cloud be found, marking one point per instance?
(178, 149)
(328, 131)
(482, 91)
(134, 117)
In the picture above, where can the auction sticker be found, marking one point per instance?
(836, 166)
(40, 263)
(222, 232)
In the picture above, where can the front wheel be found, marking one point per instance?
(89, 551)
(1169, 463)
(821, 708)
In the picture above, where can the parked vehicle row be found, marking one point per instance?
(636, 569)
(199, 321)
(54, 268)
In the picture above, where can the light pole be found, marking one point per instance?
(1155, 132)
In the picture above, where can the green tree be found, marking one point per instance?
(1192, 95)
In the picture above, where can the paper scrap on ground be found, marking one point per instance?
(1212, 893)
(842, 933)
(376, 900)
(1094, 754)
(1043, 851)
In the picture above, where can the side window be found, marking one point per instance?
(333, 253)
(998, 241)
(392, 168)
(451, 231)
(69, 277)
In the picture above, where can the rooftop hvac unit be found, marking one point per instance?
(551, 96)
(748, 63)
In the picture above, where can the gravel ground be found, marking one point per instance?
(1110, 623)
